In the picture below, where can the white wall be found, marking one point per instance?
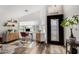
(69, 11)
(35, 12)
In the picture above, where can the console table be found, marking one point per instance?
(71, 45)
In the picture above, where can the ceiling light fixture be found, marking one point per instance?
(26, 10)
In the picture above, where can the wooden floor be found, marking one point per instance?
(34, 48)
(51, 49)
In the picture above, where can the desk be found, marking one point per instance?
(72, 45)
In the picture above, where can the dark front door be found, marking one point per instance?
(54, 30)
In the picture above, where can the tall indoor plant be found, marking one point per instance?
(70, 22)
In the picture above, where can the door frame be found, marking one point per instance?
(61, 30)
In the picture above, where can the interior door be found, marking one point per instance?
(54, 30)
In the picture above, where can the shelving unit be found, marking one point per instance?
(11, 25)
(12, 33)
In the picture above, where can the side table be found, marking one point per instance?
(70, 45)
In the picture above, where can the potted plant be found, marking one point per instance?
(70, 22)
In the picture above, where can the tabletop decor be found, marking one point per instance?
(69, 22)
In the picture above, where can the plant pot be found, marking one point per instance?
(72, 38)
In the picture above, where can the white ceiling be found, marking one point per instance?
(16, 11)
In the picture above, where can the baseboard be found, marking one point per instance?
(9, 41)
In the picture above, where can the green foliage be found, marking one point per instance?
(70, 21)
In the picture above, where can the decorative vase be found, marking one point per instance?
(72, 38)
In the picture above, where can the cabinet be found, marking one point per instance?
(38, 37)
(12, 36)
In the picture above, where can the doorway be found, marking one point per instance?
(55, 33)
